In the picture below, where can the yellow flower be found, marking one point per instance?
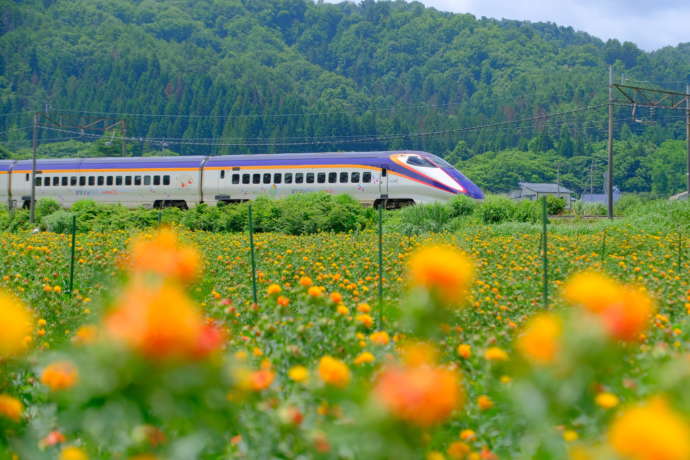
(464, 350)
(539, 342)
(484, 402)
(606, 400)
(363, 308)
(651, 431)
(342, 310)
(59, 375)
(10, 407)
(364, 358)
(467, 435)
(591, 290)
(380, 338)
(495, 354)
(444, 270)
(15, 325)
(418, 353)
(570, 435)
(273, 289)
(73, 453)
(334, 372)
(435, 455)
(298, 374)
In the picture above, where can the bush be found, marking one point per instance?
(462, 205)
(554, 206)
(527, 211)
(45, 207)
(496, 209)
(421, 218)
(59, 222)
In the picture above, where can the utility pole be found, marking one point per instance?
(687, 135)
(609, 185)
(34, 146)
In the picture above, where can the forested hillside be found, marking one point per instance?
(238, 76)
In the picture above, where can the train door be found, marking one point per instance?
(383, 185)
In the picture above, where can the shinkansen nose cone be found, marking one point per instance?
(470, 189)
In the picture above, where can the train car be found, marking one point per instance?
(392, 179)
(5, 168)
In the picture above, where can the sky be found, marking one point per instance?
(650, 24)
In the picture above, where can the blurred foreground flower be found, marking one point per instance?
(162, 323)
(15, 325)
(444, 270)
(651, 431)
(334, 372)
(539, 342)
(419, 391)
(164, 255)
(623, 310)
(11, 407)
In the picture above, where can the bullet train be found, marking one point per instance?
(391, 179)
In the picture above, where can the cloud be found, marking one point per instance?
(648, 24)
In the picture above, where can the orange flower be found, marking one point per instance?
(283, 301)
(539, 342)
(314, 291)
(366, 320)
(628, 318)
(380, 338)
(421, 395)
(85, 334)
(305, 281)
(465, 351)
(60, 375)
(261, 379)
(458, 450)
(334, 372)
(164, 255)
(484, 402)
(651, 431)
(444, 270)
(418, 354)
(273, 289)
(336, 297)
(15, 325)
(363, 308)
(159, 323)
(11, 408)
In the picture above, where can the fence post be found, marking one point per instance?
(72, 254)
(251, 247)
(680, 249)
(160, 216)
(380, 266)
(544, 253)
(603, 248)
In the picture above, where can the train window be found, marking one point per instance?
(235, 179)
(310, 178)
(321, 178)
(118, 180)
(246, 178)
(100, 180)
(73, 180)
(419, 161)
(344, 177)
(137, 180)
(38, 182)
(288, 178)
(222, 174)
(147, 180)
(366, 177)
(277, 178)
(128, 180)
(166, 180)
(27, 177)
(92, 180)
(332, 177)
(65, 180)
(56, 181)
(267, 178)
(299, 178)
(109, 180)
(355, 178)
(46, 182)
(82, 181)
(156, 180)
(256, 178)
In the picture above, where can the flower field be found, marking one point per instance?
(160, 352)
